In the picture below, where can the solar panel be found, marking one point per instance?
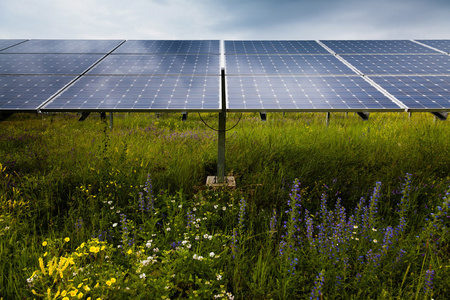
(65, 46)
(169, 47)
(274, 47)
(158, 64)
(28, 92)
(418, 92)
(301, 93)
(140, 93)
(443, 45)
(285, 65)
(404, 64)
(73, 64)
(9, 43)
(376, 47)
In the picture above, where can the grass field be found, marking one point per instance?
(353, 210)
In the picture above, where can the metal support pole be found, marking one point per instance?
(222, 133)
(328, 118)
(111, 119)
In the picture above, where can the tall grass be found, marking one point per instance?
(319, 212)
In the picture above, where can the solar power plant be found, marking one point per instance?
(405, 64)
(419, 93)
(443, 45)
(274, 47)
(169, 47)
(377, 47)
(9, 43)
(65, 46)
(28, 92)
(149, 76)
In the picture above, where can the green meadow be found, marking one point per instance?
(353, 210)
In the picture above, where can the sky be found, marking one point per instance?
(225, 19)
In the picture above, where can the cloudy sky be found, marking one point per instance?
(225, 19)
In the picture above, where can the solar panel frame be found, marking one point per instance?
(418, 93)
(64, 47)
(442, 45)
(402, 64)
(169, 47)
(158, 64)
(46, 64)
(290, 47)
(377, 47)
(7, 43)
(305, 94)
(26, 93)
(140, 93)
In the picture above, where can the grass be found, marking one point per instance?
(346, 211)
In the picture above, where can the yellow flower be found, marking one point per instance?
(129, 251)
(94, 249)
(80, 295)
(73, 293)
(63, 293)
(44, 243)
(113, 280)
(65, 298)
(108, 283)
(67, 239)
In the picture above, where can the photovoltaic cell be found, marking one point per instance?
(443, 45)
(418, 92)
(274, 47)
(139, 93)
(285, 65)
(9, 43)
(376, 47)
(73, 64)
(28, 92)
(169, 47)
(400, 64)
(65, 46)
(158, 64)
(301, 93)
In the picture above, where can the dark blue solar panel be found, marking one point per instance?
(274, 47)
(140, 93)
(8, 43)
(305, 94)
(65, 46)
(376, 47)
(285, 65)
(28, 92)
(418, 92)
(443, 45)
(400, 64)
(169, 47)
(46, 63)
(158, 64)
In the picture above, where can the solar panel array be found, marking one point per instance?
(184, 75)
(148, 75)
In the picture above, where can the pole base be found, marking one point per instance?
(229, 182)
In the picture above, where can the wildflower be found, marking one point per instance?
(211, 254)
(44, 243)
(219, 277)
(375, 241)
(67, 239)
(108, 283)
(142, 276)
(129, 251)
(115, 224)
